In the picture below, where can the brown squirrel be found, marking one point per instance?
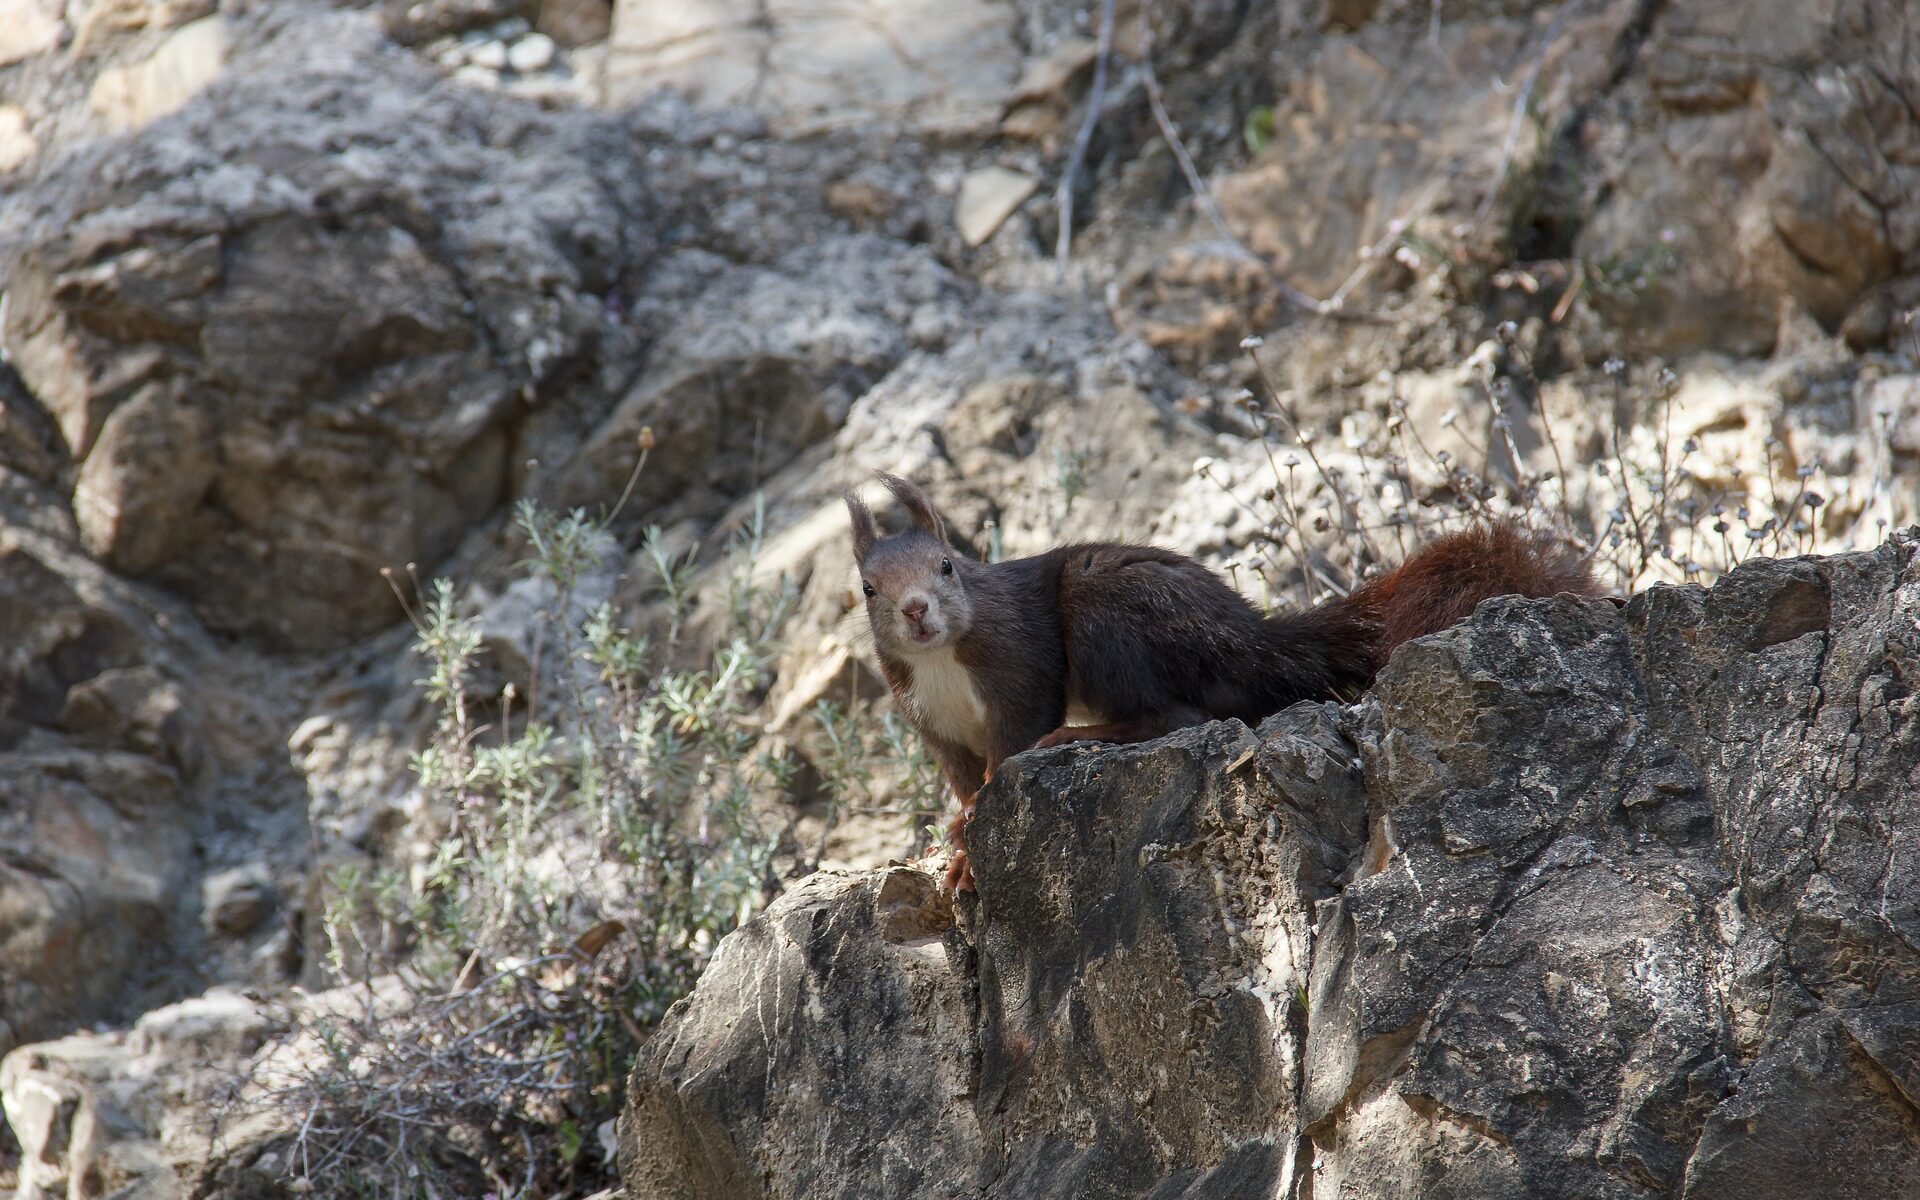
(1132, 642)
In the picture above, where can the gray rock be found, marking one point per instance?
(265, 447)
(234, 902)
(987, 198)
(758, 365)
(740, 1116)
(490, 54)
(120, 1113)
(575, 22)
(1580, 902)
(936, 64)
(100, 756)
(416, 22)
(1750, 162)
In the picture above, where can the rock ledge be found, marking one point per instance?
(1580, 902)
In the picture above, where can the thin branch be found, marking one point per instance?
(1203, 195)
(1520, 103)
(1096, 96)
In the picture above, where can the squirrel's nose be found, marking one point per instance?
(913, 610)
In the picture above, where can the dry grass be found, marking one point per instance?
(1647, 506)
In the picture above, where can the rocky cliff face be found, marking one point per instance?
(1584, 901)
(293, 292)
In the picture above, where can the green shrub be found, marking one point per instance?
(591, 842)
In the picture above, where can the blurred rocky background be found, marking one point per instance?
(303, 300)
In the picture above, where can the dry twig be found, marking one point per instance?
(1096, 96)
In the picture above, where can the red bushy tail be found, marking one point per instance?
(1445, 580)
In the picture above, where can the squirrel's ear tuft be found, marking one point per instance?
(864, 533)
(917, 505)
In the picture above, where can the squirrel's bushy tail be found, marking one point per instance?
(1446, 579)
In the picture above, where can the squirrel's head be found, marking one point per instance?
(914, 582)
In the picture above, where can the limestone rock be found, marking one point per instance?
(416, 22)
(99, 24)
(115, 1113)
(760, 365)
(490, 54)
(1580, 902)
(940, 65)
(32, 27)
(99, 756)
(987, 198)
(17, 143)
(1326, 187)
(131, 96)
(575, 22)
(1713, 169)
(234, 902)
(905, 1134)
(1783, 184)
(531, 53)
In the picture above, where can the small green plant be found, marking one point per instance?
(856, 741)
(1625, 280)
(1257, 129)
(1071, 475)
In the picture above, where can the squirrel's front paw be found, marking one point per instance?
(959, 873)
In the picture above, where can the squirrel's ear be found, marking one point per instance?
(864, 533)
(917, 505)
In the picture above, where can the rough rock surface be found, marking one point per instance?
(1776, 149)
(843, 948)
(938, 64)
(109, 1114)
(264, 448)
(1581, 902)
(290, 291)
(101, 762)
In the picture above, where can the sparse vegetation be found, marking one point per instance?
(593, 841)
(586, 837)
(1070, 477)
(1647, 505)
(872, 763)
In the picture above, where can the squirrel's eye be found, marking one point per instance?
(946, 566)
(867, 588)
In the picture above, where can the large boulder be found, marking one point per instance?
(760, 363)
(845, 948)
(311, 325)
(1581, 901)
(1704, 176)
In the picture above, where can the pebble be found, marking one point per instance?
(478, 77)
(531, 53)
(235, 902)
(491, 55)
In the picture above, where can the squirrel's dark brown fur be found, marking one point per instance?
(988, 660)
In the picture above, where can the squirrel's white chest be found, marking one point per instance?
(947, 702)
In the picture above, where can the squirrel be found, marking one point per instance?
(1132, 642)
